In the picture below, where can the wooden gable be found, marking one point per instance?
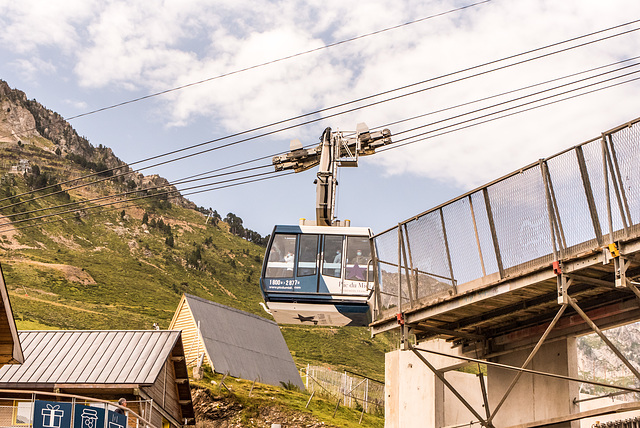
(10, 349)
(184, 321)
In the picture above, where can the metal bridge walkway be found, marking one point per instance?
(499, 259)
(546, 253)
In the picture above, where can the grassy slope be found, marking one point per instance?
(258, 400)
(105, 271)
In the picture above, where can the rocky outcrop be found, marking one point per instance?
(23, 120)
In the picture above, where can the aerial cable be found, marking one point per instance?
(193, 177)
(399, 144)
(170, 194)
(177, 192)
(531, 95)
(166, 91)
(387, 125)
(396, 133)
(330, 45)
(325, 109)
(359, 100)
(129, 192)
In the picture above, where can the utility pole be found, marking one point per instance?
(334, 150)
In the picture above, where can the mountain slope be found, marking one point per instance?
(124, 265)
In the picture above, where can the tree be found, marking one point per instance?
(169, 240)
(145, 218)
(235, 224)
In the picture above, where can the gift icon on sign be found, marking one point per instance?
(52, 416)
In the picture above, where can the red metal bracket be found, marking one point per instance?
(557, 268)
(400, 318)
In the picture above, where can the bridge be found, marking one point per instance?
(510, 273)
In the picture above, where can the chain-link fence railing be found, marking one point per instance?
(21, 409)
(576, 201)
(352, 390)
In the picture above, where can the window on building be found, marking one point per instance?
(22, 412)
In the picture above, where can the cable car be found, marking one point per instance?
(322, 274)
(318, 275)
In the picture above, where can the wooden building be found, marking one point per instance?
(10, 349)
(234, 342)
(146, 367)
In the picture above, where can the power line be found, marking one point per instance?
(396, 143)
(341, 42)
(533, 94)
(442, 110)
(168, 193)
(386, 148)
(486, 117)
(155, 195)
(330, 45)
(129, 192)
(366, 98)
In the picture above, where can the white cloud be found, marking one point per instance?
(132, 46)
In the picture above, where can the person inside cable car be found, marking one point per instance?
(358, 255)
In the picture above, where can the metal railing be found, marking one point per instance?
(17, 409)
(351, 390)
(573, 202)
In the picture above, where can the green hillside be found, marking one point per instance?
(125, 266)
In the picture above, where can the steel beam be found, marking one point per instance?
(604, 338)
(528, 360)
(523, 370)
(451, 388)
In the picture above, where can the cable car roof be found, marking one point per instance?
(323, 230)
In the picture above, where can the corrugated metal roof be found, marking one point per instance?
(244, 345)
(91, 357)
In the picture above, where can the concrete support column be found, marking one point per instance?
(415, 397)
(536, 397)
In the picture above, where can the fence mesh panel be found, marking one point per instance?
(514, 224)
(626, 147)
(352, 390)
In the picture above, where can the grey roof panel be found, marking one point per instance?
(242, 344)
(90, 357)
(163, 347)
(111, 343)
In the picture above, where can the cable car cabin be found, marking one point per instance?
(318, 275)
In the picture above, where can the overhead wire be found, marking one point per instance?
(169, 194)
(155, 195)
(391, 147)
(351, 102)
(533, 94)
(327, 46)
(395, 144)
(129, 192)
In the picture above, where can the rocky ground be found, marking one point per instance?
(226, 412)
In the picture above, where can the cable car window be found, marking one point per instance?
(280, 259)
(332, 255)
(308, 255)
(358, 256)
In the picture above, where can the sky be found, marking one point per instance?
(79, 56)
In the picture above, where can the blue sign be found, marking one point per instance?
(88, 417)
(50, 414)
(116, 420)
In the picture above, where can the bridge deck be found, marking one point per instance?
(481, 266)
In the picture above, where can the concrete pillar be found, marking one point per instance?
(535, 397)
(415, 397)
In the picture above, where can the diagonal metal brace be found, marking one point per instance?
(604, 338)
(483, 422)
(528, 360)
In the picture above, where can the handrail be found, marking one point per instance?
(81, 397)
